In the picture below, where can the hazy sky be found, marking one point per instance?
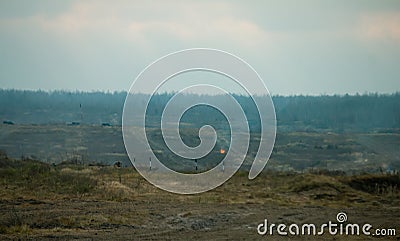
(298, 47)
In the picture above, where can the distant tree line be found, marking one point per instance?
(339, 113)
(367, 112)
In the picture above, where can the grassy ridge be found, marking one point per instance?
(31, 177)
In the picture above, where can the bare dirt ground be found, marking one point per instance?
(40, 202)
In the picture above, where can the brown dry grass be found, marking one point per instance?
(44, 202)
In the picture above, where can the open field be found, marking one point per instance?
(310, 178)
(293, 151)
(43, 202)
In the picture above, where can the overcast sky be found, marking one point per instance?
(297, 47)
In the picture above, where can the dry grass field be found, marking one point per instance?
(39, 201)
(53, 188)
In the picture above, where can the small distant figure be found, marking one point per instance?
(117, 164)
(150, 163)
(8, 122)
(74, 123)
(105, 124)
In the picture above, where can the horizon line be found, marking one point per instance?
(77, 91)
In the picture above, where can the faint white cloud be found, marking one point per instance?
(188, 21)
(381, 26)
